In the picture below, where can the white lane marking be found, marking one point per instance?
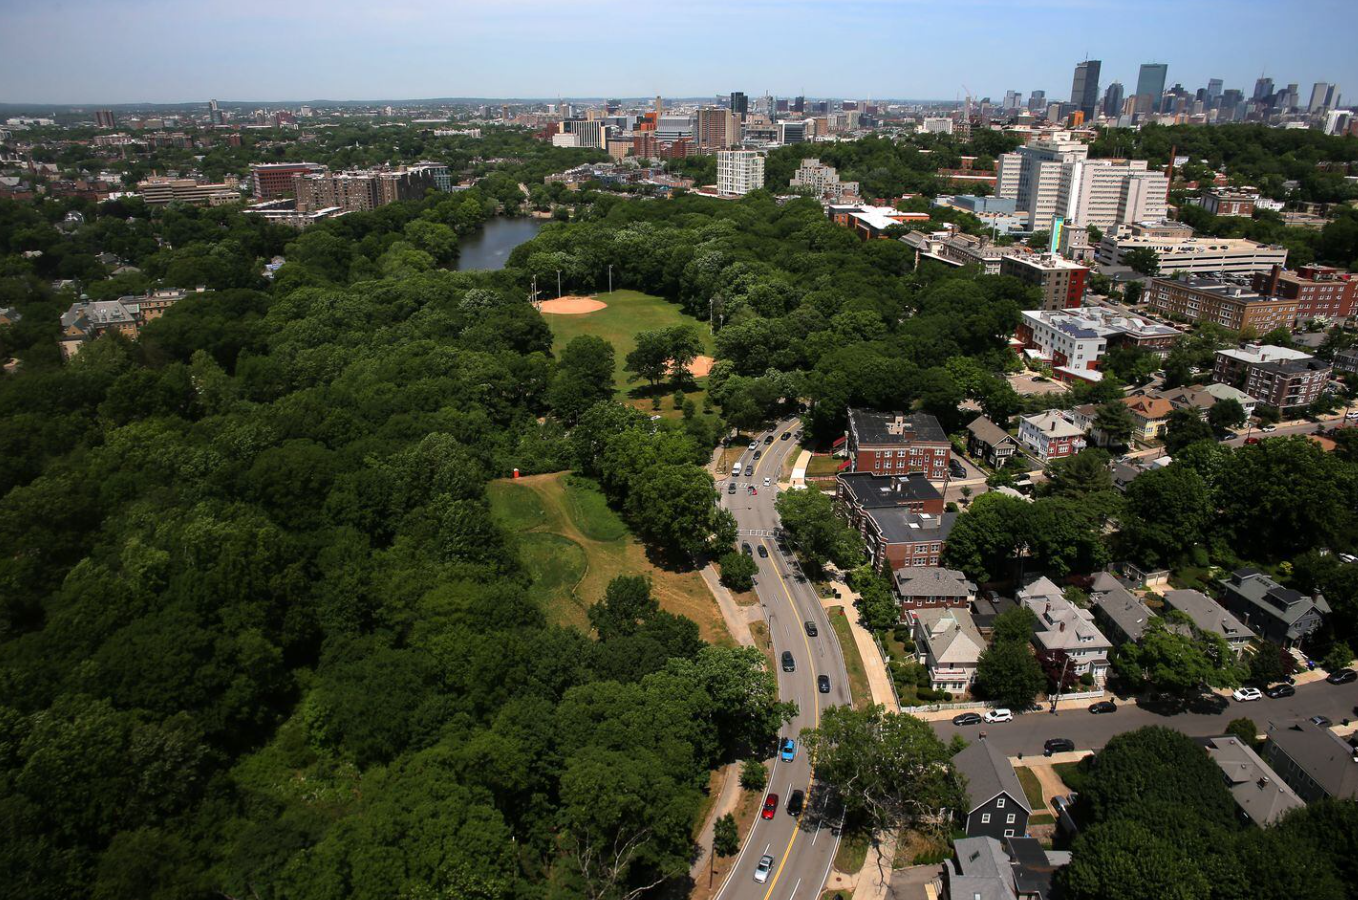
(767, 846)
(815, 835)
(794, 889)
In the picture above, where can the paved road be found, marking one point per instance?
(802, 848)
(1028, 732)
(1327, 422)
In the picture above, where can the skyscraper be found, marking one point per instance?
(1263, 88)
(1150, 84)
(1084, 90)
(1319, 91)
(103, 118)
(1112, 100)
(740, 104)
(1037, 101)
(799, 104)
(1213, 90)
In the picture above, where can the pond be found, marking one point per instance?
(489, 248)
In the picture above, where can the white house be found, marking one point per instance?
(1061, 625)
(948, 642)
(1051, 435)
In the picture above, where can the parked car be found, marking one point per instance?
(1279, 691)
(823, 683)
(1322, 721)
(796, 802)
(811, 629)
(957, 469)
(787, 750)
(995, 716)
(764, 866)
(1251, 440)
(1246, 694)
(1103, 706)
(1058, 745)
(967, 719)
(770, 806)
(1268, 429)
(789, 664)
(746, 549)
(1342, 676)
(1347, 558)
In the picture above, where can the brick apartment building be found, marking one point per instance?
(901, 518)
(1280, 377)
(1320, 292)
(269, 181)
(1230, 201)
(1061, 281)
(897, 444)
(1226, 303)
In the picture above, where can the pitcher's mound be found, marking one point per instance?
(572, 306)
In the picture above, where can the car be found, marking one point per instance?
(1278, 691)
(1250, 441)
(746, 549)
(995, 716)
(796, 802)
(758, 454)
(1347, 558)
(823, 683)
(768, 480)
(764, 866)
(768, 439)
(967, 719)
(731, 488)
(787, 435)
(957, 469)
(1342, 676)
(787, 750)
(789, 664)
(1058, 745)
(770, 806)
(1247, 694)
(1322, 721)
(1351, 415)
(1268, 429)
(1103, 706)
(811, 629)
(763, 552)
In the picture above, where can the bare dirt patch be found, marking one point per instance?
(571, 306)
(700, 366)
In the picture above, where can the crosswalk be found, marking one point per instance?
(756, 532)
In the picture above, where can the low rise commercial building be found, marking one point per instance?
(1226, 303)
(1179, 251)
(1060, 281)
(1281, 377)
(1322, 293)
(160, 191)
(872, 222)
(1079, 338)
(1225, 201)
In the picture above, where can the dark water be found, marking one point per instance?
(490, 247)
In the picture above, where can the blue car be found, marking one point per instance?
(788, 751)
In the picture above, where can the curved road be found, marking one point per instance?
(803, 847)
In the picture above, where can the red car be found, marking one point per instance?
(770, 806)
(1251, 440)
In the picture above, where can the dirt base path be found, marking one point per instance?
(571, 306)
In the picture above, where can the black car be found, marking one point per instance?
(786, 435)
(796, 802)
(768, 439)
(763, 552)
(957, 469)
(731, 488)
(1103, 706)
(811, 629)
(1342, 676)
(1058, 745)
(745, 548)
(967, 719)
(758, 453)
(789, 664)
(823, 683)
(1278, 691)
(1322, 721)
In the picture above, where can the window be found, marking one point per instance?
(1011, 818)
(985, 818)
(999, 804)
(1009, 832)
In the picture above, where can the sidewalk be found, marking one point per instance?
(873, 882)
(737, 617)
(979, 707)
(879, 680)
(726, 802)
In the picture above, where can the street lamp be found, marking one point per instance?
(558, 284)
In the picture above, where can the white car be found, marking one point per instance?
(1351, 415)
(767, 481)
(754, 445)
(1246, 694)
(999, 715)
(761, 871)
(1268, 429)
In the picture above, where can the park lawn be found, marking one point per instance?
(853, 660)
(627, 314)
(852, 851)
(572, 545)
(1032, 788)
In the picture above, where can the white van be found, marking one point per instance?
(735, 468)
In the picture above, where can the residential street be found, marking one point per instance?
(1026, 734)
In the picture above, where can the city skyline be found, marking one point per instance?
(413, 49)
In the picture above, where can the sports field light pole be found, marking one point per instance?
(558, 284)
(610, 278)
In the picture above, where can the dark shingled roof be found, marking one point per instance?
(873, 427)
(873, 491)
(988, 773)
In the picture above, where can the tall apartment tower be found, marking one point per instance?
(1051, 178)
(740, 104)
(1263, 88)
(1112, 100)
(1319, 92)
(103, 118)
(717, 128)
(1084, 90)
(739, 171)
(1150, 85)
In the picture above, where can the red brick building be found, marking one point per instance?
(1061, 281)
(272, 180)
(897, 444)
(1321, 292)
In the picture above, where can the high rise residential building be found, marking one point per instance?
(717, 128)
(739, 171)
(1054, 177)
(103, 118)
(271, 180)
(214, 113)
(357, 191)
(1150, 85)
(1320, 92)
(822, 180)
(1084, 90)
(1112, 100)
(799, 104)
(740, 104)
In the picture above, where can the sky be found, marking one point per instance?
(168, 51)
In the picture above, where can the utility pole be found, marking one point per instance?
(610, 278)
(558, 284)
(1060, 685)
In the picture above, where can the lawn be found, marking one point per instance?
(628, 313)
(853, 851)
(853, 661)
(1032, 788)
(572, 545)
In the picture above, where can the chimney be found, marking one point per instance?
(1063, 627)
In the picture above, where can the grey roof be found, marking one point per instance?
(988, 431)
(1257, 789)
(1034, 867)
(1271, 598)
(929, 581)
(988, 773)
(874, 427)
(898, 525)
(1320, 753)
(951, 635)
(980, 869)
(1208, 615)
(871, 491)
(1123, 608)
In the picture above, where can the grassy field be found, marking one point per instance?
(628, 313)
(853, 661)
(572, 545)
